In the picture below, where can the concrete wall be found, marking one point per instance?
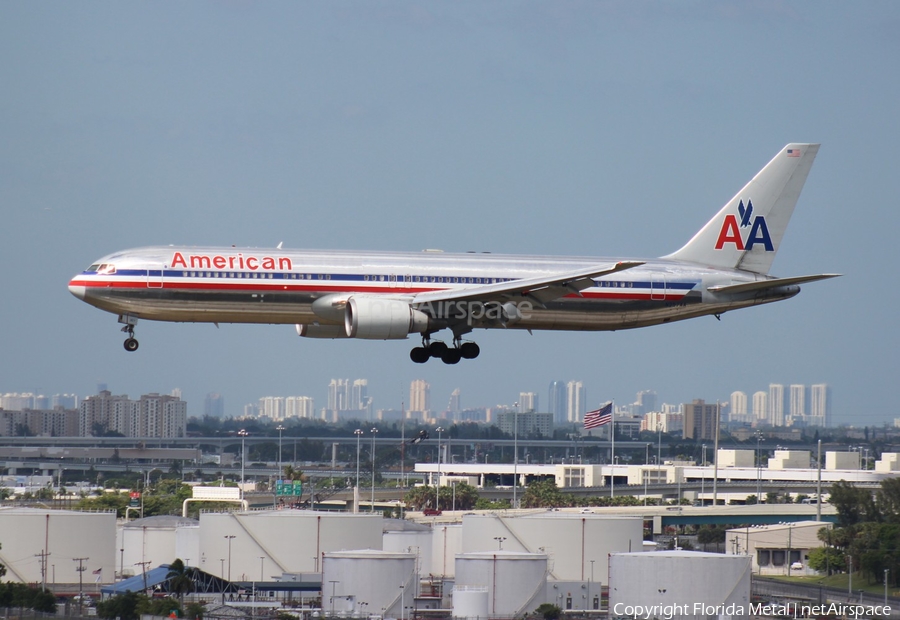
(790, 459)
(842, 460)
(889, 462)
(736, 458)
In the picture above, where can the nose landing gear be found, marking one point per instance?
(130, 344)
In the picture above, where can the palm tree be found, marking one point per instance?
(181, 579)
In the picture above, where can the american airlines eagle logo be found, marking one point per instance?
(731, 230)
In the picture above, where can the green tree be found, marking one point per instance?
(181, 579)
(2, 566)
(548, 611)
(827, 560)
(854, 505)
(122, 606)
(545, 494)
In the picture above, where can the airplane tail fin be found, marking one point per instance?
(746, 233)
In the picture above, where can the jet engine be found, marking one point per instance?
(375, 318)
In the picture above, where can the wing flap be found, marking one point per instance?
(541, 289)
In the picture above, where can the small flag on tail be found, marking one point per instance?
(598, 417)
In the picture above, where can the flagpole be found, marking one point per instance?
(612, 433)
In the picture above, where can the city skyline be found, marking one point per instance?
(349, 399)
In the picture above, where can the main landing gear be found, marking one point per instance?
(130, 344)
(448, 355)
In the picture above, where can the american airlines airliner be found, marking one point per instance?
(392, 295)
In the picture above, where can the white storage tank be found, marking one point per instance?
(402, 536)
(516, 581)
(470, 602)
(574, 543)
(157, 540)
(368, 582)
(679, 581)
(289, 541)
(27, 533)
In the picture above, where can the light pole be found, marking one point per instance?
(242, 433)
(589, 584)
(645, 472)
(372, 506)
(262, 564)
(279, 428)
(703, 474)
(229, 538)
(358, 432)
(333, 583)
(454, 495)
(515, 501)
(758, 469)
(437, 482)
(500, 540)
(886, 571)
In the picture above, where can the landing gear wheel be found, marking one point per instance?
(469, 350)
(437, 349)
(451, 356)
(131, 345)
(419, 355)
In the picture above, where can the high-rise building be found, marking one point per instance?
(272, 407)
(154, 415)
(359, 396)
(777, 401)
(646, 402)
(799, 402)
(761, 407)
(419, 396)
(739, 411)
(557, 402)
(339, 394)
(528, 401)
(820, 405)
(299, 407)
(575, 402)
(529, 423)
(700, 420)
(214, 405)
(454, 406)
(64, 401)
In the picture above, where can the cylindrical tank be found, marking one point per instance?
(158, 540)
(71, 539)
(576, 544)
(515, 581)
(470, 602)
(369, 582)
(685, 579)
(289, 541)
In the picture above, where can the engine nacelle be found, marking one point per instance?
(375, 318)
(321, 331)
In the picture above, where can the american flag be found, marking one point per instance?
(598, 417)
(793, 152)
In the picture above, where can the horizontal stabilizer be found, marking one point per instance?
(760, 285)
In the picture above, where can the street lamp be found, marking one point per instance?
(500, 540)
(358, 432)
(373, 431)
(229, 538)
(886, 571)
(644, 471)
(242, 434)
(515, 454)
(758, 469)
(279, 428)
(703, 474)
(437, 482)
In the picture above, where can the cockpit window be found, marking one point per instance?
(93, 268)
(106, 269)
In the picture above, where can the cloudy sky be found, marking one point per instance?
(588, 128)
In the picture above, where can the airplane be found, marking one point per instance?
(392, 295)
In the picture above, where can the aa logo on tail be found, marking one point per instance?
(731, 231)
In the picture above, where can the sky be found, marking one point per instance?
(586, 128)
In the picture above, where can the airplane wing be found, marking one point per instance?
(539, 290)
(760, 285)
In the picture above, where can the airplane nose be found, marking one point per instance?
(76, 289)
